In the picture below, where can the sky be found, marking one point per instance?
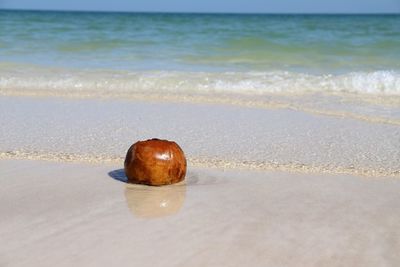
(235, 6)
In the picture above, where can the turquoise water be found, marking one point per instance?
(257, 53)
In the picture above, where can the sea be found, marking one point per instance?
(256, 54)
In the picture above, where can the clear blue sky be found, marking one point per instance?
(237, 6)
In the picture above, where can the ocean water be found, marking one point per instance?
(199, 53)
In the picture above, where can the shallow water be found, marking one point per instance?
(222, 136)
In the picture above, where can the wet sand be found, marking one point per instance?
(74, 214)
(224, 136)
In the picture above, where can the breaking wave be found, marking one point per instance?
(61, 81)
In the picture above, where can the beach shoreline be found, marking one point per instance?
(236, 137)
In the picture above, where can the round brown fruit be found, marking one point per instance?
(155, 162)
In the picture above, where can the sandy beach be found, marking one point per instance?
(290, 124)
(85, 215)
(265, 187)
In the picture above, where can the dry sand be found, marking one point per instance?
(69, 214)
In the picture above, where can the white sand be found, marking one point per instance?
(235, 209)
(68, 214)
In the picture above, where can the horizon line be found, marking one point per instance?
(199, 12)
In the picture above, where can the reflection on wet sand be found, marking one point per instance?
(153, 202)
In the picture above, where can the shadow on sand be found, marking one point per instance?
(118, 175)
(191, 179)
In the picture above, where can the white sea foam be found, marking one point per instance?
(61, 81)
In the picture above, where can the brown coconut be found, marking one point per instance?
(155, 162)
